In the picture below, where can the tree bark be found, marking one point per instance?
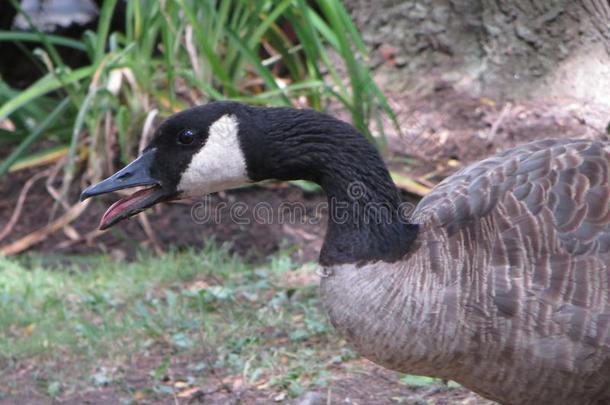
(502, 48)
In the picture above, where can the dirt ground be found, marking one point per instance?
(358, 382)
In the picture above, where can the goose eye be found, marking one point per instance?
(186, 137)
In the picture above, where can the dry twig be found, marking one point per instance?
(143, 218)
(41, 234)
(498, 122)
(53, 191)
(20, 202)
(87, 238)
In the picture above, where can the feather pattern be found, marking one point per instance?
(508, 289)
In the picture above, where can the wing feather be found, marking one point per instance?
(540, 214)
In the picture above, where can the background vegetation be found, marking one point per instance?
(170, 55)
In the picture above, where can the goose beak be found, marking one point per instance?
(137, 173)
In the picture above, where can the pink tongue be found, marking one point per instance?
(124, 204)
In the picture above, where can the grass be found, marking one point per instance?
(159, 328)
(209, 307)
(173, 54)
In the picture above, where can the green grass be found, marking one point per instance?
(95, 314)
(176, 53)
(150, 330)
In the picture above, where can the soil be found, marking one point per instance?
(358, 382)
(174, 225)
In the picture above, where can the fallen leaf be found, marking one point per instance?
(29, 329)
(139, 396)
(410, 185)
(188, 393)
(181, 384)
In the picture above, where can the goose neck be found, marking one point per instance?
(367, 221)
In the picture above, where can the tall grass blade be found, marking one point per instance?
(34, 136)
(43, 86)
(41, 158)
(33, 37)
(256, 62)
(103, 28)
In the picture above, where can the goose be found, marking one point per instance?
(498, 279)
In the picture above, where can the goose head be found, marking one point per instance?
(192, 153)
(224, 145)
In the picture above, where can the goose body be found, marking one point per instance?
(498, 280)
(508, 292)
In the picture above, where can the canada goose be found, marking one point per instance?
(498, 280)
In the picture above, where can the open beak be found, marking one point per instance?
(135, 174)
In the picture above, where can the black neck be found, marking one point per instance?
(366, 222)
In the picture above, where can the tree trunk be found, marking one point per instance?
(501, 48)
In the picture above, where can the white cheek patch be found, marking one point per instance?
(219, 165)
